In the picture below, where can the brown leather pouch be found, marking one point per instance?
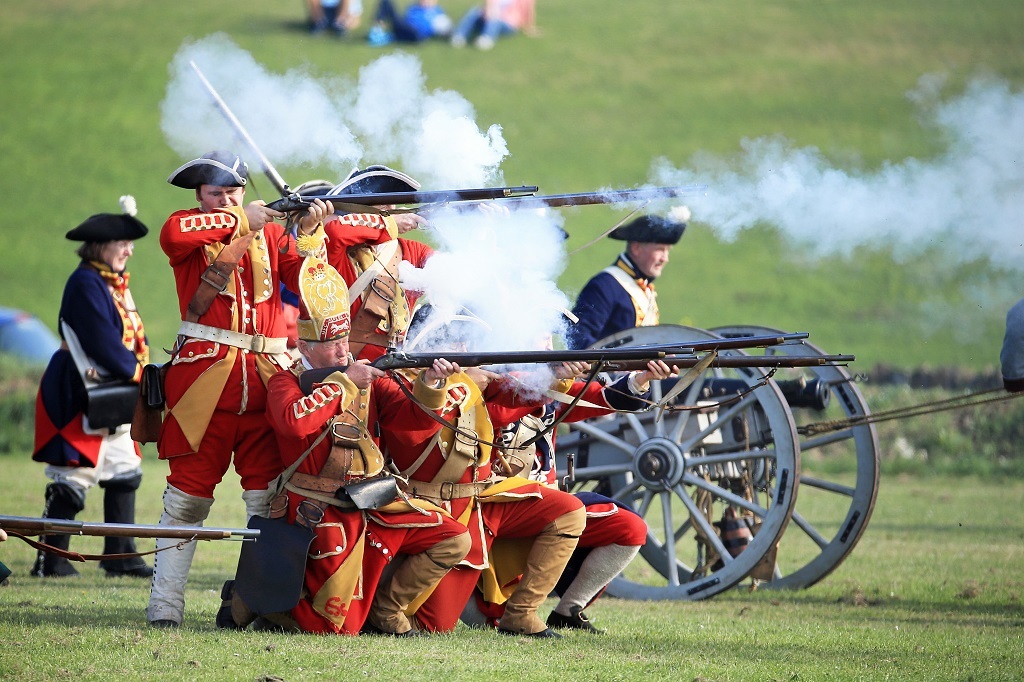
(149, 406)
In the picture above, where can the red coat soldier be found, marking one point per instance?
(325, 440)
(231, 341)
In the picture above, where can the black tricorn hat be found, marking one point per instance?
(650, 228)
(219, 168)
(108, 227)
(375, 180)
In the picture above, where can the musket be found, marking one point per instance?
(268, 168)
(731, 343)
(519, 197)
(399, 360)
(300, 202)
(26, 525)
(644, 354)
(615, 196)
(736, 361)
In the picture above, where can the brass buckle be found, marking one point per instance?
(387, 296)
(352, 429)
(450, 491)
(259, 343)
(308, 514)
(222, 285)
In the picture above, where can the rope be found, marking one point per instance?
(909, 411)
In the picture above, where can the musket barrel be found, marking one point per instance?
(298, 202)
(737, 361)
(617, 196)
(44, 526)
(728, 343)
(424, 360)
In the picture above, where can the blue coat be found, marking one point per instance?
(89, 309)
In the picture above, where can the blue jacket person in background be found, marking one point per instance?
(622, 296)
(103, 338)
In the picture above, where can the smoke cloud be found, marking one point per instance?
(969, 199)
(301, 118)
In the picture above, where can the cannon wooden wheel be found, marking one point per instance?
(744, 455)
(833, 510)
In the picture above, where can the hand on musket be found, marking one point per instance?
(657, 370)
(259, 214)
(362, 373)
(407, 222)
(439, 371)
(316, 214)
(482, 377)
(571, 369)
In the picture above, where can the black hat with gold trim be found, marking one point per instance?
(109, 227)
(219, 168)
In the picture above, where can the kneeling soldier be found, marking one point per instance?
(325, 440)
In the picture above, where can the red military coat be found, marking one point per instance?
(205, 376)
(351, 546)
(421, 455)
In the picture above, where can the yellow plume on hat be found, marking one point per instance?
(323, 302)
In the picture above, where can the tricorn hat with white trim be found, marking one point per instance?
(375, 180)
(219, 168)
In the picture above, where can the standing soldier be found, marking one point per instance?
(231, 341)
(381, 307)
(103, 338)
(622, 295)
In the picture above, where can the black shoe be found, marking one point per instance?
(142, 571)
(163, 624)
(56, 568)
(577, 621)
(547, 633)
(224, 619)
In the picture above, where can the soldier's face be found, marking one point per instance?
(215, 196)
(650, 258)
(321, 354)
(116, 254)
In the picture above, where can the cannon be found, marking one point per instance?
(717, 475)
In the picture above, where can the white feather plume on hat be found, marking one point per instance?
(128, 205)
(679, 214)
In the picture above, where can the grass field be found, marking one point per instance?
(591, 103)
(932, 591)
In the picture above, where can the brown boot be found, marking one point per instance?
(544, 564)
(417, 574)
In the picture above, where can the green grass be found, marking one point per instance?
(932, 591)
(591, 103)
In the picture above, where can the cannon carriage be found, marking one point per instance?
(717, 472)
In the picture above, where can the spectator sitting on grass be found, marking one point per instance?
(493, 19)
(341, 16)
(422, 20)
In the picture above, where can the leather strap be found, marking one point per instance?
(257, 343)
(446, 490)
(215, 278)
